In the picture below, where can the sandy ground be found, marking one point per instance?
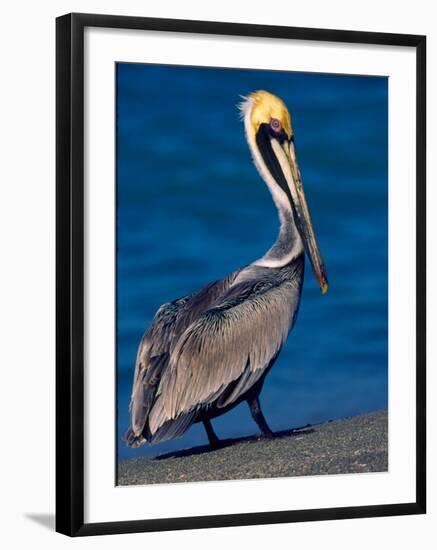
(351, 445)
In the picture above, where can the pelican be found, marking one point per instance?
(207, 352)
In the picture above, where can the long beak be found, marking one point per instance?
(304, 223)
(279, 156)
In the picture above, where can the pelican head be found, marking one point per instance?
(270, 135)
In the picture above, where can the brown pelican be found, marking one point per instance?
(208, 351)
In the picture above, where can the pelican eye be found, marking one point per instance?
(275, 125)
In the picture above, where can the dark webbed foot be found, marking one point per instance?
(257, 415)
(214, 441)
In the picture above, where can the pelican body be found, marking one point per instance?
(207, 352)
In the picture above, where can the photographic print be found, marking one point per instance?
(240, 274)
(252, 274)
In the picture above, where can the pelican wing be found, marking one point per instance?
(223, 352)
(156, 346)
(152, 357)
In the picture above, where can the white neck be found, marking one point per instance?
(288, 244)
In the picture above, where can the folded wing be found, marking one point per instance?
(222, 354)
(156, 346)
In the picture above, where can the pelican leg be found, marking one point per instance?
(257, 415)
(214, 441)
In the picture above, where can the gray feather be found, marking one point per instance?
(169, 323)
(231, 343)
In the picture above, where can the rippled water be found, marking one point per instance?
(191, 208)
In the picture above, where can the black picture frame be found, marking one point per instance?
(70, 273)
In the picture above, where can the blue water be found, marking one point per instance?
(192, 208)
